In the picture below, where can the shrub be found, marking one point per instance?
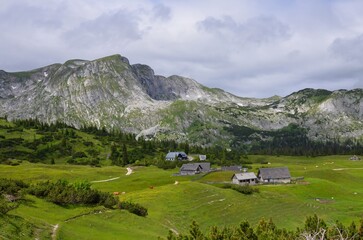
(261, 160)
(108, 200)
(245, 189)
(13, 187)
(63, 193)
(134, 208)
(6, 206)
(79, 155)
(88, 144)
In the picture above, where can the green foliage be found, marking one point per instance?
(169, 164)
(174, 206)
(315, 228)
(314, 224)
(39, 142)
(10, 192)
(10, 186)
(291, 140)
(244, 189)
(14, 227)
(64, 193)
(79, 155)
(134, 208)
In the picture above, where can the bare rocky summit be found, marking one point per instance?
(111, 93)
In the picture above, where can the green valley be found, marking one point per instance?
(330, 188)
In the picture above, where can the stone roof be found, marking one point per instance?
(190, 167)
(274, 173)
(205, 166)
(245, 176)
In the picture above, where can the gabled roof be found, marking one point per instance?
(205, 166)
(274, 173)
(190, 167)
(245, 176)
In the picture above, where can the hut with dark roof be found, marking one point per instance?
(194, 168)
(274, 175)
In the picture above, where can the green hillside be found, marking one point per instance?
(33, 152)
(331, 194)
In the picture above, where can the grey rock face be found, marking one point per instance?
(112, 93)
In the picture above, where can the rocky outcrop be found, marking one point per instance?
(111, 93)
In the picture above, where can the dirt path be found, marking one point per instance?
(341, 169)
(106, 180)
(54, 231)
(170, 228)
(129, 171)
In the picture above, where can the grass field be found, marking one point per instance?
(332, 188)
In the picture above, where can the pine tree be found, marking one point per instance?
(125, 157)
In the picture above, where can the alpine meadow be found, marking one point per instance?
(233, 120)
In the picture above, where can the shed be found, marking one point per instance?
(246, 178)
(190, 169)
(274, 175)
(171, 156)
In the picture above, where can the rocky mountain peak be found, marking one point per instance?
(109, 92)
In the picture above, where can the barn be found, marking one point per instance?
(190, 169)
(274, 175)
(194, 168)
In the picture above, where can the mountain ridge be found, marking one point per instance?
(110, 92)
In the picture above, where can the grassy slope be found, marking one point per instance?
(175, 206)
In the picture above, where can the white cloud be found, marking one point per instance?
(251, 48)
(117, 28)
(349, 49)
(257, 30)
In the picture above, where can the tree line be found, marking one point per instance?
(58, 141)
(314, 228)
(291, 141)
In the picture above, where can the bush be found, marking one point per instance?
(246, 189)
(6, 206)
(134, 208)
(169, 164)
(261, 160)
(63, 193)
(108, 200)
(79, 155)
(13, 187)
(88, 144)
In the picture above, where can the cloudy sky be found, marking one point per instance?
(255, 48)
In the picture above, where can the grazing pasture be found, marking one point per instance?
(331, 187)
